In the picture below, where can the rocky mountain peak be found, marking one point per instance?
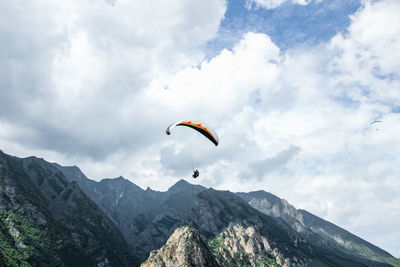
(72, 171)
(182, 186)
(119, 179)
(184, 248)
(261, 194)
(120, 184)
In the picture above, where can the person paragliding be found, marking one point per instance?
(375, 124)
(199, 126)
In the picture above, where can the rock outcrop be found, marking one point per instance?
(245, 246)
(184, 248)
(318, 232)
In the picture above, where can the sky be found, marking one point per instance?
(290, 86)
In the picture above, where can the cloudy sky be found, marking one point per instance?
(290, 86)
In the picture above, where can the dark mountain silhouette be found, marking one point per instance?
(47, 220)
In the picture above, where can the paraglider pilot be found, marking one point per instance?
(202, 128)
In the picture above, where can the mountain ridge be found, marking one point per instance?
(36, 198)
(166, 223)
(237, 228)
(308, 224)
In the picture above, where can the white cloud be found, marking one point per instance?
(219, 87)
(367, 57)
(68, 64)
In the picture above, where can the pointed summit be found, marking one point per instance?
(120, 182)
(182, 185)
(72, 173)
(184, 248)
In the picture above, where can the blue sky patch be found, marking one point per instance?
(288, 25)
(395, 109)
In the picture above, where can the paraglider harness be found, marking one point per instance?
(195, 174)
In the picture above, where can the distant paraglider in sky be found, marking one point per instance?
(199, 126)
(375, 124)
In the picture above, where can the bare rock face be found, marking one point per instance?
(318, 232)
(184, 248)
(245, 246)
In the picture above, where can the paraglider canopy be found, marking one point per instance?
(199, 126)
(375, 123)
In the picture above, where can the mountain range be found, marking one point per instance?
(52, 215)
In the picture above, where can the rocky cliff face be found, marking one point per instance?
(245, 246)
(240, 235)
(317, 231)
(184, 248)
(273, 206)
(47, 220)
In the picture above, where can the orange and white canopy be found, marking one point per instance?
(198, 126)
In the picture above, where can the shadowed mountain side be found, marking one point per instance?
(47, 220)
(146, 218)
(183, 248)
